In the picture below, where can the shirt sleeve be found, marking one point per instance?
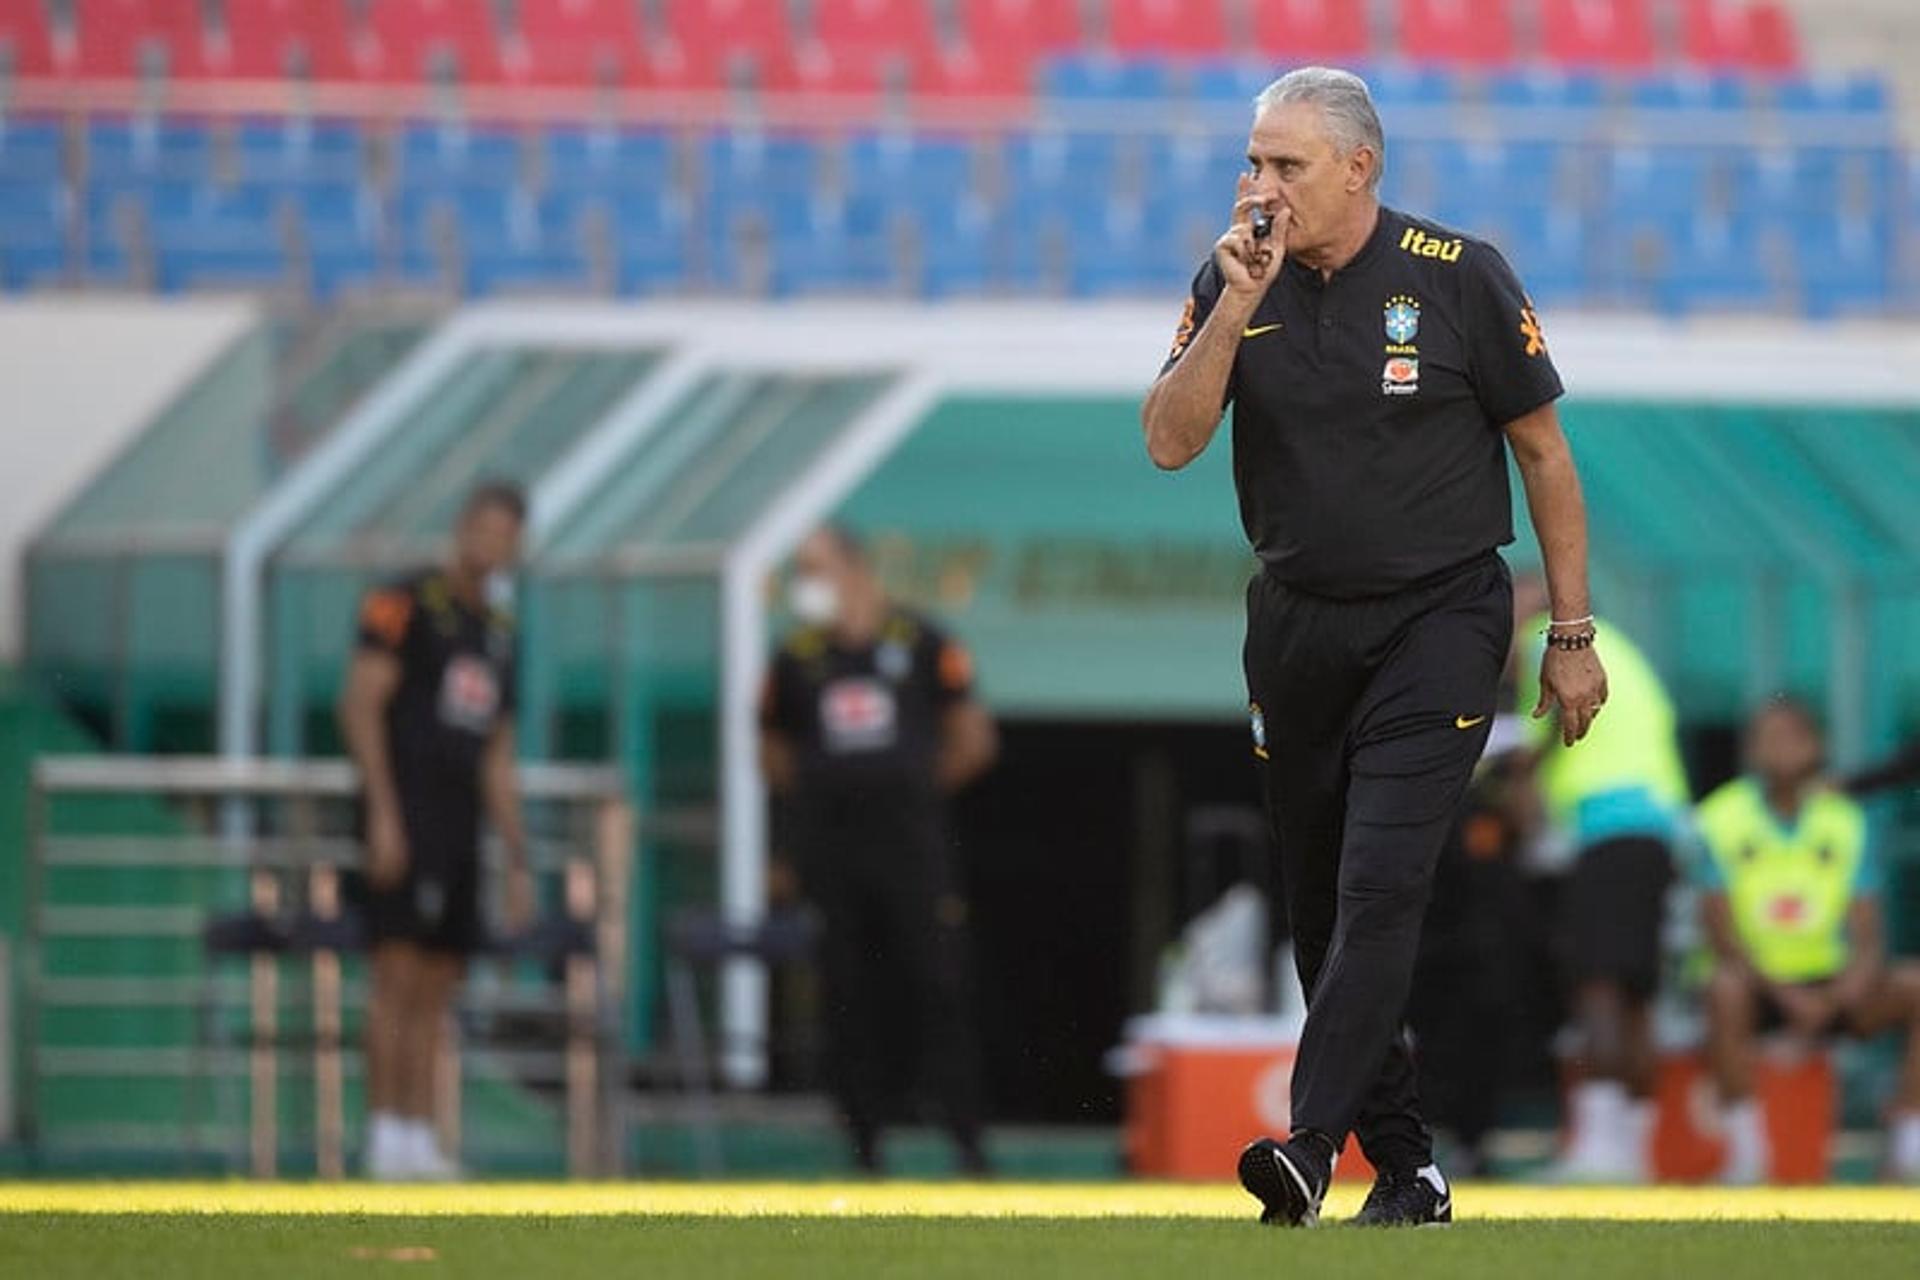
(1200, 304)
(1506, 350)
(386, 616)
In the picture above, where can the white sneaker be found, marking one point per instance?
(1601, 1149)
(1903, 1147)
(388, 1156)
(424, 1159)
(1747, 1153)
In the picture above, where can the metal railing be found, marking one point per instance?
(271, 839)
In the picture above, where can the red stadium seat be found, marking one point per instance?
(26, 42)
(899, 26)
(265, 39)
(578, 42)
(708, 30)
(965, 72)
(1324, 30)
(115, 33)
(405, 38)
(1028, 26)
(1731, 34)
(1597, 33)
(1166, 26)
(1469, 31)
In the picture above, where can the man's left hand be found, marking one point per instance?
(1573, 681)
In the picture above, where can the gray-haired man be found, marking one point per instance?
(1376, 363)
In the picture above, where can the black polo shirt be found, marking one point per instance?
(1368, 408)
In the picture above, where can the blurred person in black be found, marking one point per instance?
(427, 715)
(869, 723)
(1379, 367)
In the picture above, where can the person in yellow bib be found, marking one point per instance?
(1791, 908)
(1618, 798)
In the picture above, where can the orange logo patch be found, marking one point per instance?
(1183, 332)
(1530, 330)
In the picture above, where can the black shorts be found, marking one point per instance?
(1616, 906)
(1769, 1017)
(436, 905)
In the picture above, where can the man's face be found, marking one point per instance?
(824, 577)
(488, 540)
(1783, 748)
(1297, 167)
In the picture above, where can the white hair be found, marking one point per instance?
(1344, 102)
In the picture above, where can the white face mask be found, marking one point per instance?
(500, 588)
(814, 600)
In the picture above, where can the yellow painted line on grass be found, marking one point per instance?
(945, 1199)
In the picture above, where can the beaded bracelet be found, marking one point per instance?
(1570, 643)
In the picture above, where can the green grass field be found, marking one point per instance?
(715, 1231)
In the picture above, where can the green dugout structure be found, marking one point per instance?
(1753, 499)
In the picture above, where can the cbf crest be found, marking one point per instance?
(1403, 319)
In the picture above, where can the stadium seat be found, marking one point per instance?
(711, 39)
(30, 149)
(905, 169)
(1128, 249)
(1396, 86)
(298, 150)
(1476, 32)
(1561, 89)
(417, 40)
(1860, 95)
(1597, 33)
(436, 154)
(832, 249)
(1029, 27)
(26, 40)
(1166, 26)
(602, 158)
(1846, 263)
(1332, 31)
(1095, 77)
(1690, 91)
(33, 231)
(869, 27)
(268, 39)
(1720, 263)
(579, 42)
(966, 71)
(649, 239)
(1738, 34)
(148, 148)
(953, 248)
(121, 39)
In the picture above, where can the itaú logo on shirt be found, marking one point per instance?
(1401, 377)
(858, 714)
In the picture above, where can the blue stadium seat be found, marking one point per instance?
(1131, 251)
(430, 154)
(148, 148)
(1536, 87)
(1846, 264)
(30, 149)
(1098, 78)
(768, 176)
(220, 260)
(33, 234)
(913, 167)
(1691, 91)
(955, 241)
(1225, 81)
(1720, 263)
(298, 150)
(1857, 94)
(1053, 174)
(608, 157)
(1397, 87)
(836, 248)
(650, 242)
(1548, 246)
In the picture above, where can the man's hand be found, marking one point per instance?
(519, 897)
(1573, 681)
(1250, 265)
(386, 847)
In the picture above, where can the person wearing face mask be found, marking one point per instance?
(1379, 367)
(869, 723)
(427, 713)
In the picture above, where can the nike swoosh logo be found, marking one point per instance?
(1254, 333)
(1461, 722)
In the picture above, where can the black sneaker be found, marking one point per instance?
(1420, 1199)
(1289, 1179)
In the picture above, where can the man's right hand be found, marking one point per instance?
(386, 847)
(1248, 265)
(1808, 1010)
